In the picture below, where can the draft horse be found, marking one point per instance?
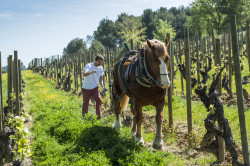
(144, 80)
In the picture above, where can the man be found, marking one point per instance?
(93, 74)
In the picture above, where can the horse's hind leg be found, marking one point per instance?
(119, 106)
(157, 144)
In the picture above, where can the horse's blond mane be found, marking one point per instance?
(159, 47)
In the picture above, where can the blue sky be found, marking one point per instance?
(42, 28)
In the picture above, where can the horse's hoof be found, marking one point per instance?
(140, 140)
(157, 146)
(119, 128)
(133, 134)
(117, 125)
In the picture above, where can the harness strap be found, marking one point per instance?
(138, 78)
(126, 56)
(140, 61)
(148, 76)
(143, 75)
(120, 75)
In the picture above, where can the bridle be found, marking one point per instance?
(144, 77)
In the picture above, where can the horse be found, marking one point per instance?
(144, 80)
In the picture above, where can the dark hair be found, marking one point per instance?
(98, 56)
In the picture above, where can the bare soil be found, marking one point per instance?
(180, 147)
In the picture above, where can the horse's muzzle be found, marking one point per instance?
(165, 86)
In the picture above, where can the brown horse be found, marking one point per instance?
(145, 82)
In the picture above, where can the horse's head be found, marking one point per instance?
(158, 57)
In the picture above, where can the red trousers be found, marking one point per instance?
(86, 94)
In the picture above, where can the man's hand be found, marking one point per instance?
(87, 73)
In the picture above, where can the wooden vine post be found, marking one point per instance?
(115, 55)
(47, 63)
(17, 81)
(218, 62)
(75, 72)
(204, 53)
(1, 96)
(41, 66)
(1, 103)
(197, 56)
(108, 60)
(77, 69)
(57, 70)
(201, 46)
(104, 68)
(239, 91)
(50, 69)
(229, 58)
(66, 71)
(20, 76)
(53, 69)
(241, 42)
(180, 53)
(224, 44)
(61, 70)
(248, 43)
(10, 83)
(131, 44)
(80, 70)
(170, 109)
(213, 43)
(172, 67)
(208, 47)
(69, 76)
(188, 85)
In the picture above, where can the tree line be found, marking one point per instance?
(200, 17)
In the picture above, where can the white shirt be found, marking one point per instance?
(91, 81)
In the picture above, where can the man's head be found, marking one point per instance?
(98, 60)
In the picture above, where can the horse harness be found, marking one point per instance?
(137, 59)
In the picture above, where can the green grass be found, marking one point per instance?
(63, 137)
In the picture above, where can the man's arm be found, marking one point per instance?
(101, 82)
(87, 72)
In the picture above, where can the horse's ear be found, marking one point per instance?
(150, 45)
(166, 42)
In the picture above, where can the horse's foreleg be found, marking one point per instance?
(133, 129)
(139, 119)
(117, 123)
(157, 144)
(117, 111)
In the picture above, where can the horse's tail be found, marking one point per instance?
(124, 102)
